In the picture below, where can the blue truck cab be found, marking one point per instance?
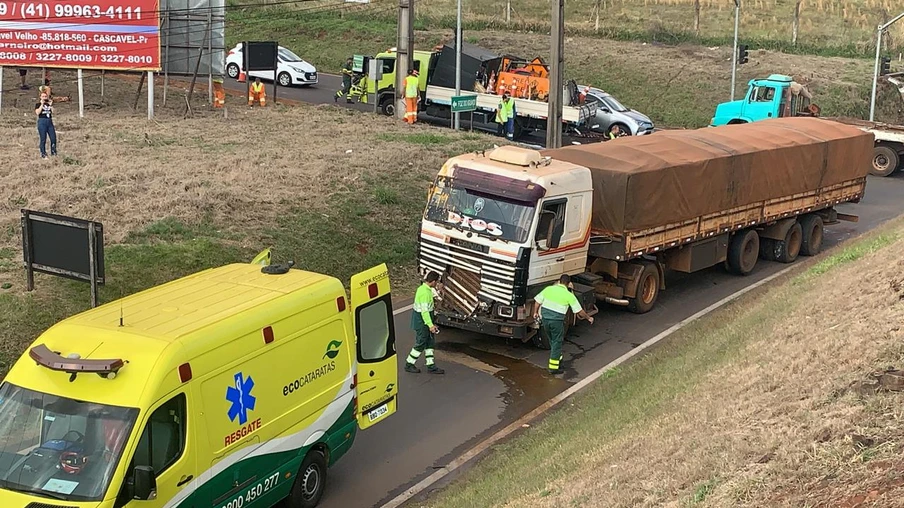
(766, 98)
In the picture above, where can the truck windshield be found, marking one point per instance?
(59, 448)
(486, 215)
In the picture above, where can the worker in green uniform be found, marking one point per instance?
(347, 74)
(551, 306)
(422, 324)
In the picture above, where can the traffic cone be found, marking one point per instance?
(241, 78)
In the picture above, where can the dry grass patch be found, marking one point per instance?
(750, 407)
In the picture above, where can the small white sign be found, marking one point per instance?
(60, 486)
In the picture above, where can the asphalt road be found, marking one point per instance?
(490, 383)
(325, 91)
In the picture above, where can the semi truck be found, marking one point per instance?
(501, 225)
(482, 76)
(778, 96)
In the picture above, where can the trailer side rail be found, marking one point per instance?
(660, 238)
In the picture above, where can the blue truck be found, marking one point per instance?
(779, 96)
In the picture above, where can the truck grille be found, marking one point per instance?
(488, 277)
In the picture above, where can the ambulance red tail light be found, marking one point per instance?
(372, 290)
(340, 303)
(185, 372)
(268, 335)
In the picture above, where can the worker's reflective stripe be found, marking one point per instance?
(257, 88)
(428, 355)
(553, 364)
(558, 299)
(413, 355)
(410, 87)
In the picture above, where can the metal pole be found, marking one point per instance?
(508, 11)
(734, 56)
(92, 262)
(404, 54)
(1, 87)
(554, 115)
(150, 95)
(872, 99)
(456, 125)
(81, 94)
(102, 79)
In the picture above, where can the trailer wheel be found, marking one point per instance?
(767, 249)
(812, 227)
(310, 482)
(647, 290)
(789, 248)
(885, 161)
(743, 252)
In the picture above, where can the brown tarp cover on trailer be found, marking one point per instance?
(646, 181)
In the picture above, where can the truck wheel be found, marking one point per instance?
(310, 482)
(885, 161)
(387, 107)
(812, 227)
(789, 248)
(647, 290)
(743, 252)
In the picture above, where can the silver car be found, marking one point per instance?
(610, 113)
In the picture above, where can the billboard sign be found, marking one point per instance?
(97, 34)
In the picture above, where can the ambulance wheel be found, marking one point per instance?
(310, 481)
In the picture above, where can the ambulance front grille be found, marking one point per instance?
(45, 505)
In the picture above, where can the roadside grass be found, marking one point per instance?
(677, 83)
(827, 27)
(335, 190)
(750, 406)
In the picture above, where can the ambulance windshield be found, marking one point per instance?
(484, 214)
(59, 448)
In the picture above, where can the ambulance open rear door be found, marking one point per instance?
(377, 377)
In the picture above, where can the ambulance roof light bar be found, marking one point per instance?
(44, 357)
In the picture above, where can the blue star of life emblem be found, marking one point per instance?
(241, 398)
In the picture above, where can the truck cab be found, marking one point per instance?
(774, 97)
(499, 227)
(385, 86)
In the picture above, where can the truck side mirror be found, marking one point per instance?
(145, 486)
(557, 228)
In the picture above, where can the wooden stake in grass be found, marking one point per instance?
(696, 17)
(795, 23)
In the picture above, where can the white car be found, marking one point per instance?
(291, 68)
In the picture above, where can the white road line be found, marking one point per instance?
(403, 309)
(549, 404)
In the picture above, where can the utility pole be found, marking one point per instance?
(872, 99)
(734, 56)
(457, 61)
(404, 53)
(554, 115)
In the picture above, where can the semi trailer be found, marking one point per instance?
(500, 225)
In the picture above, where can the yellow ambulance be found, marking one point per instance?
(234, 387)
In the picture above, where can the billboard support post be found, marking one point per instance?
(81, 93)
(1, 87)
(150, 95)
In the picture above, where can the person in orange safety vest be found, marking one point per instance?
(257, 92)
(411, 96)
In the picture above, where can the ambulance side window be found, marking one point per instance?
(376, 336)
(163, 438)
